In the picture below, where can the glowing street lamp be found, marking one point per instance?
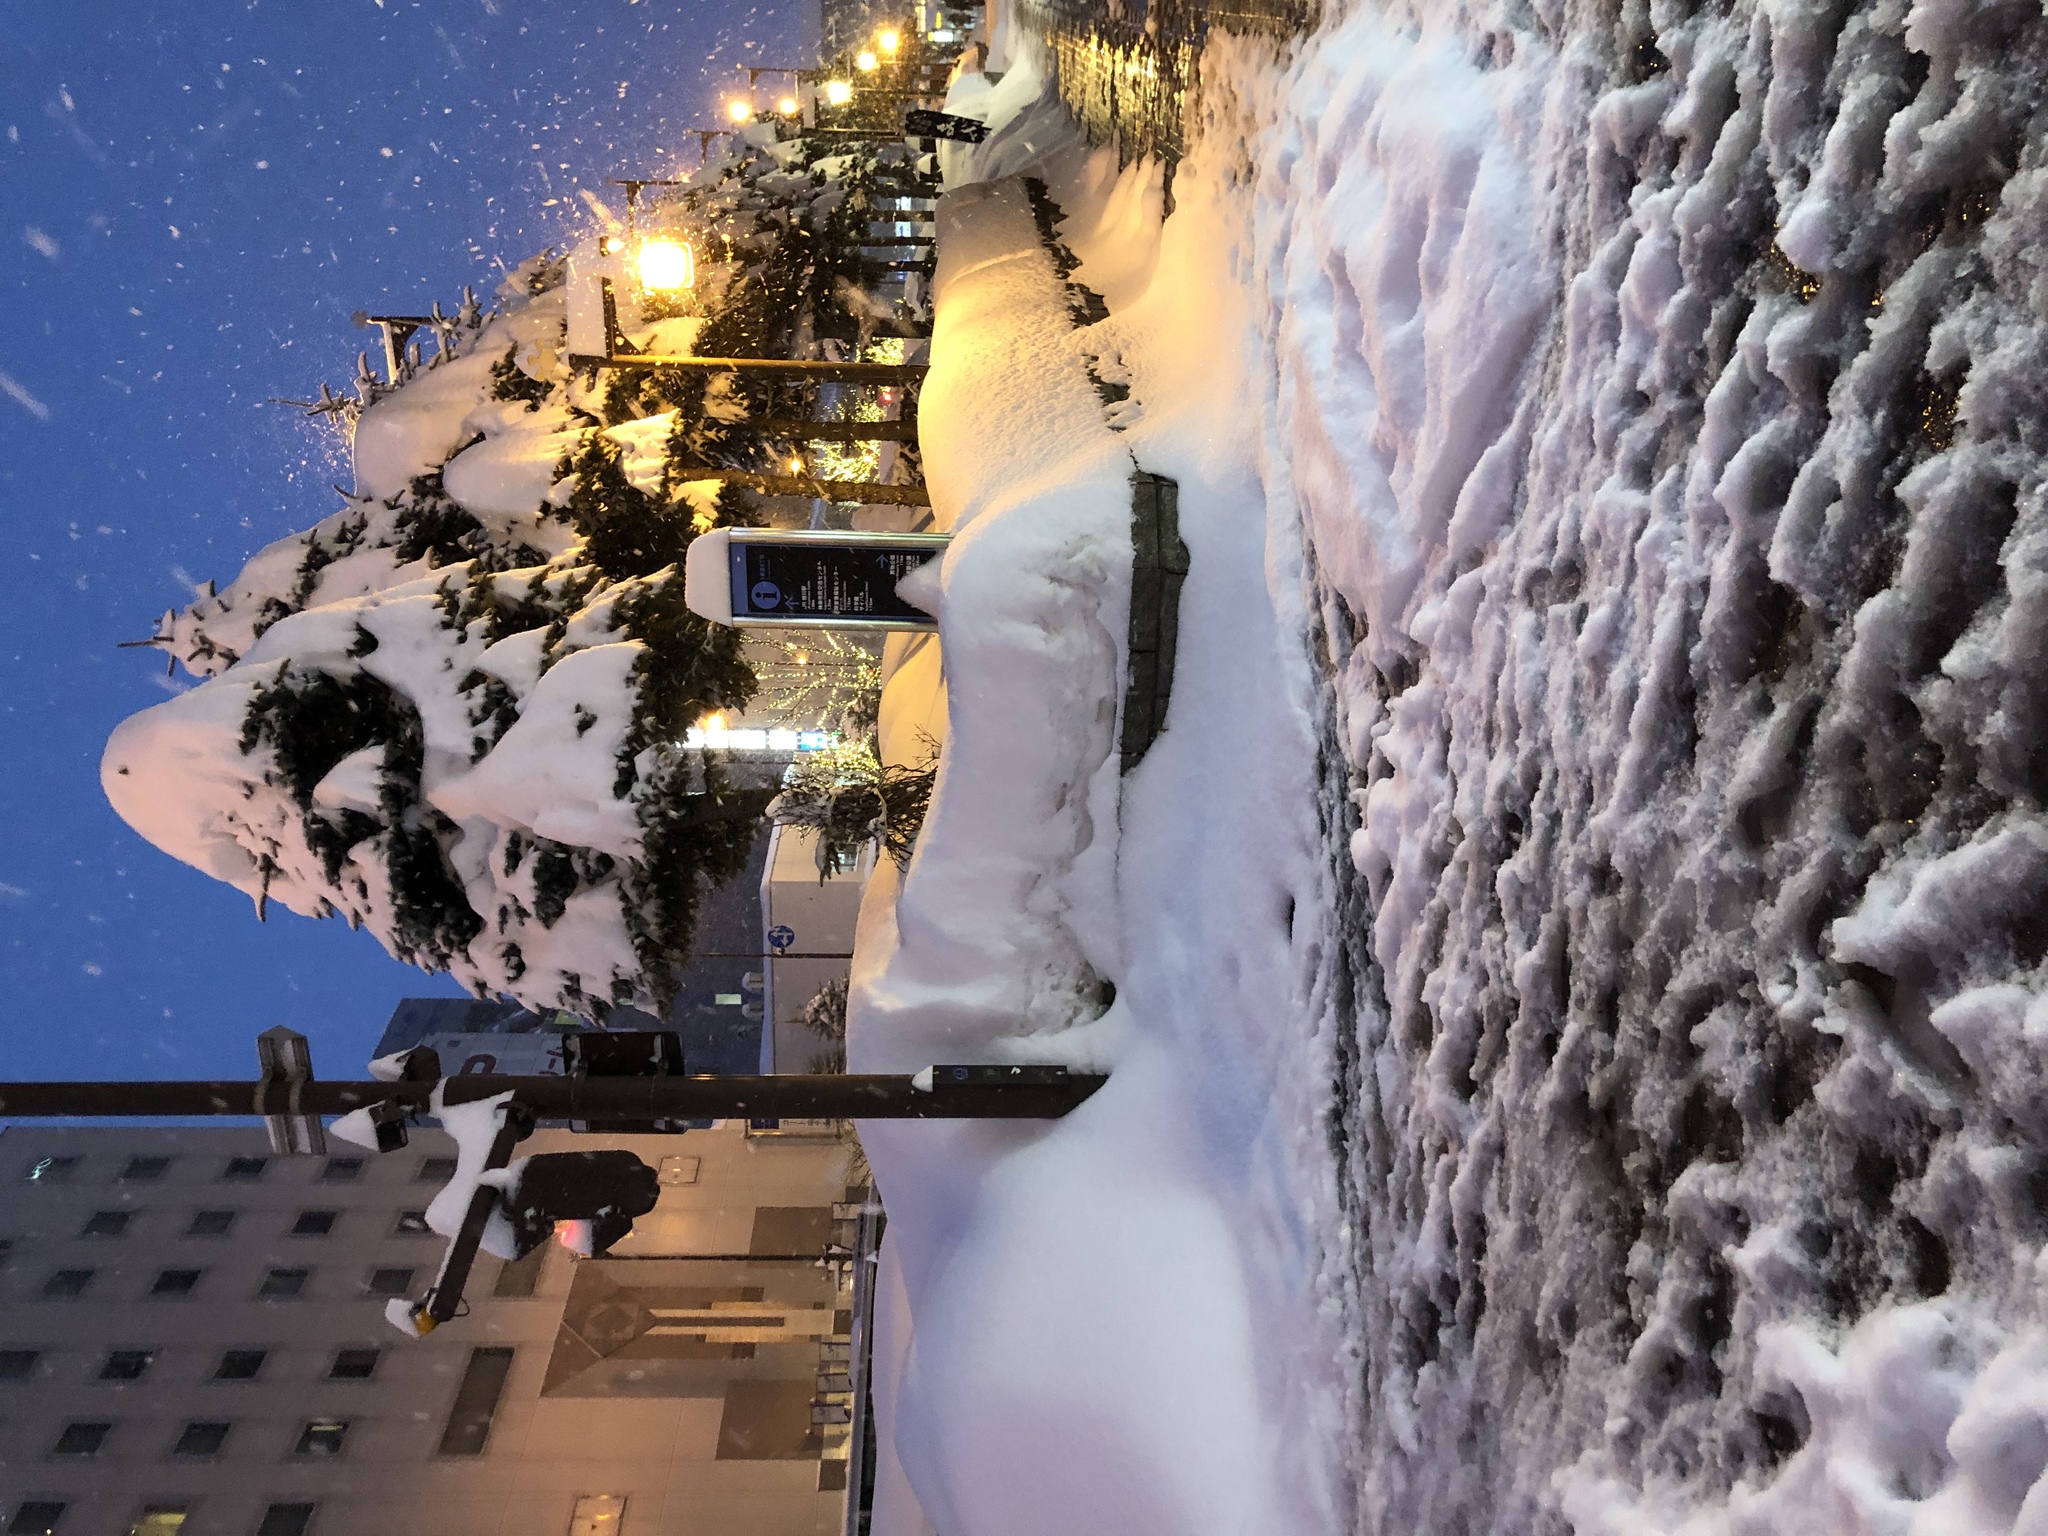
(867, 63)
(889, 40)
(838, 93)
(786, 106)
(739, 111)
(667, 266)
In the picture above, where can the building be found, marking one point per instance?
(808, 924)
(192, 1342)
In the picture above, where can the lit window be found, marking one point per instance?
(598, 1514)
(173, 1283)
(105, 1224)
(315, 1223)
(159, 1520)
(322, 1437)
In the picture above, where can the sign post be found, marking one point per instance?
(753, 578)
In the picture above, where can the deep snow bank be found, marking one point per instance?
(1659, 392)
(1108, 1324)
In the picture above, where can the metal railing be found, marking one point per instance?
(1128, 77)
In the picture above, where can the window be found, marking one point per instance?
(174, 1283)
(126, 1364)
(159, 1520)
(81, 1439)
(339, 1170)
(322, 1437)
(105, 1224)
(239, 1365)
(286, 1520)
(50, 1170)
(202, 1437)
(280, 1284)
(476, 1402)
(244, 1170)
(521, 1276)
(211, 1224)
(435, 1170)
(680, 1170)
(6, 1250)
(67, 1284)
(315, 1223)
(18, 1364)
(598, 1514)
(390, 1282)
(353, 1365)
(411, 1224)
(38, 1517)
(144, 1170)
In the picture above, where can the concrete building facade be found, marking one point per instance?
(192, 1342)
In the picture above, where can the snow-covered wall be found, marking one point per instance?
(1659, 391)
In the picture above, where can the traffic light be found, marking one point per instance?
(606, 1189)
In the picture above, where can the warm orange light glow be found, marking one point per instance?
(889, 40)
(739, 111)
(711, 723)
(796, 466)
(667, 265)
(867, 63)
(786, 106)
(613, 245)
(838, 93)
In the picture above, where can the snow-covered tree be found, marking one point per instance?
(451, 712)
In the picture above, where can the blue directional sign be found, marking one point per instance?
(781, 936)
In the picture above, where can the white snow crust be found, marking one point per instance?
(1577, 946)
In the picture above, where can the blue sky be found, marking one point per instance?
(194, 197)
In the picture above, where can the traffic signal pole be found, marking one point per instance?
(955, 1093)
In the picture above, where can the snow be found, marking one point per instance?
(1104, 1323)
(1575, 947)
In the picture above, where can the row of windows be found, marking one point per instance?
(351, 1364)
(278, 1284)
(236, 1170)
(44, 1517)
(83, 1439)
(311, 1223)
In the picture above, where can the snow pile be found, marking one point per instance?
(1576, 954)
(1107, 1323)
(1656, 395)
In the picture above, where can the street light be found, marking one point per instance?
(667, 265)
(786, 106)
(867, 63)
(838, 93)
(739, 111)
(889, 40)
